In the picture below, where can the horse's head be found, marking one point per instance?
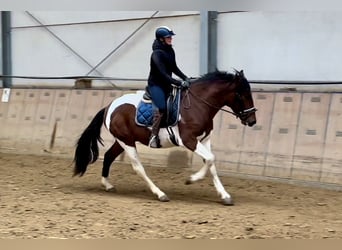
(242, 103)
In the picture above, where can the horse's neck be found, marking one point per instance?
(202, 103)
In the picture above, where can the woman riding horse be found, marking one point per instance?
(199, 104)
(162, 65)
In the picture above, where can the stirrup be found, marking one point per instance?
(154, 142)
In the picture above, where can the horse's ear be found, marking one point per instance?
(241, 73)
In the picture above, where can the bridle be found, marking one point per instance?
(246, 112)
(242, 114)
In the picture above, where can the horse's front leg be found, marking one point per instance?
(204, 151)
(139, 169)
(200, 174)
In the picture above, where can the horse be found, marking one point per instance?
(199, 104)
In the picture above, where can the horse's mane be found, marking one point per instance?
(215, 76)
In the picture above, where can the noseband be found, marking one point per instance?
(245, 113)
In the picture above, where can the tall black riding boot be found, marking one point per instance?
(154, 139)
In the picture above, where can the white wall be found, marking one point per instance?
(287, 46)
(36, 52)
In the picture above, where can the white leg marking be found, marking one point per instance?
(139, 169)
(217, 183)
(199, 175)
(106, 183)
(204, 151)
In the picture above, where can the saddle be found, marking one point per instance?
(145, 110)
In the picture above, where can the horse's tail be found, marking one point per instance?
(87, 150)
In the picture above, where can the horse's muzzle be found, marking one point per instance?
(248, 117)
(252, 123)
(249, 122)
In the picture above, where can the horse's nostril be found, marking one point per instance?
(251, 123)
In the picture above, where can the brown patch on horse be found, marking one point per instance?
(123, 126)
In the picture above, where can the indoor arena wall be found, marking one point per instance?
(297, 138)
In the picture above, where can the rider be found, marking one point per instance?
(160, 81)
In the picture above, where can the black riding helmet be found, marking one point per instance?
(164, 31)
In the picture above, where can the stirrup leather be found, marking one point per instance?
(154, 142)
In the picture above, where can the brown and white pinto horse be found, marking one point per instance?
(199, 105)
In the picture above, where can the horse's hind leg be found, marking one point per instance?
(111, 154)
(139, 169)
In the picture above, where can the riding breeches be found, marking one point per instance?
(158, 97)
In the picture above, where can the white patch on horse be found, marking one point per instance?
(204, 150)
(106, 183)
(139, 169)
(199, 175)
(133, 99)
(165, 140)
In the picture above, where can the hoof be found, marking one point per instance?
(188, 182)
(110, 189)
(228, 202)
(164, 198)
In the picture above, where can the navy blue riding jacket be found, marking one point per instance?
(162, 65)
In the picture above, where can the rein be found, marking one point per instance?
(240, 114)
